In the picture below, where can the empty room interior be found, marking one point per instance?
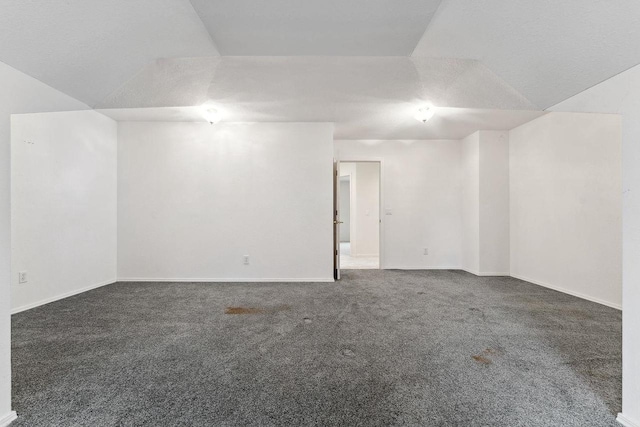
(331, 213)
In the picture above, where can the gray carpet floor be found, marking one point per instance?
(379, 348)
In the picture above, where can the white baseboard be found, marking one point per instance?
(224, 280)
(626, 422)
(396, 267)
(8, 418)
(487, 273)
(570, 292)
(61, 296)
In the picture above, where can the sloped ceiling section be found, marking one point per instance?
(448, 123)
(548, 50)
(315, 88)
(327, 27)
(166, 83)
(88, 48)
(367, 97)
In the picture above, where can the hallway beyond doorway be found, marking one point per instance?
(348, 262)
(359, 214)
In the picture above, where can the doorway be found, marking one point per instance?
(359, 212)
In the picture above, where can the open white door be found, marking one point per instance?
(336, 220)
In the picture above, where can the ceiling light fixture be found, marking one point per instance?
(211, 115)
(424, 114)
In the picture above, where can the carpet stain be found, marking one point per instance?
(243, 310)
(256, 310)
(348, 353)
(481, 359)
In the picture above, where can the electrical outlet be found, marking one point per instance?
(22, 277)
(245, 259)
(426, 251)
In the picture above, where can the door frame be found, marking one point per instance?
(335, 252)
(381, 222)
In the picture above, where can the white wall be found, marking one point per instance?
(470, 194)
(349, 169)
(367, 207)
(345, 210)
(494, 203)
(565, 183)
(194, 198)
(63, 204)
(621, 95)
(421, 182)
(485, 203)
(20, 94)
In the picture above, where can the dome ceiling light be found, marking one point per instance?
(211, 115)
(424, 114)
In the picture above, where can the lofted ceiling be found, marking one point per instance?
(321, 60)
(307, 27)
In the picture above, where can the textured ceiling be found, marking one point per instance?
(548, 50)
(315, 88)
(88, 48)
(448, 123)
(367, 97)
(324, 58)
(305, 27)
